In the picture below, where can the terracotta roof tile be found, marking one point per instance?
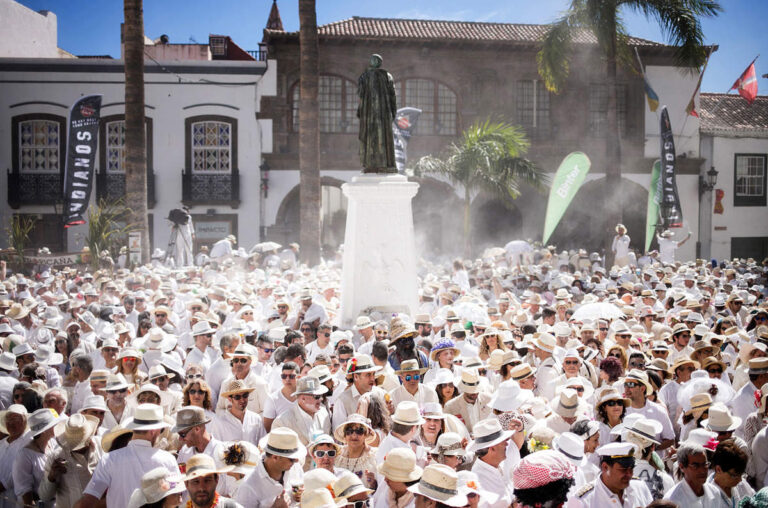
(424, 29)
(731, 115)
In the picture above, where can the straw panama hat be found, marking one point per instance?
(609, 393)
(363, 322)
(449, 443)
(567, 404)
(400, 466)
(646, 429)
(202, 465)
(410, 367)
(488, 433)
(355, 419)
(361, 363)
(720, 419)
(76, 432)
(522, 371)
(699, 403)
(146, 417)
(283, 442)
(236, 386)
(349, 484)
(470, 381)
(407, 413)
(156, 485)
(310, 385)
(319, 498)
(440, 483)
(546, 342)
(109, 438)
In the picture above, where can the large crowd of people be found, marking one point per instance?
(542, 380)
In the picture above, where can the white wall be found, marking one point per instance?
(26, 33)
(739, 221)
(167, 98)
(674, 87)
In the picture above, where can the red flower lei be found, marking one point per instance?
(215, 502)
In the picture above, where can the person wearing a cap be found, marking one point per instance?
(399, 470)
(120, 471)
(637, 388)
(201, 479)
(615, 485)
(308, 416)
(29, 462)
(490, 447)
(69, 467)
(438, 486)
(279, 470)
(693, 489)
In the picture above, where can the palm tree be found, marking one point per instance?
(488, 158)
(309, 135)
(135, 137)
(679, 19)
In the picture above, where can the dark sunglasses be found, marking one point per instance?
(239, 360)
(631, 385)
(267, 350)
(325, 334)
(306, 330)
(482, 372)
(322, 453)
(121, 390)
(571, 362)
(61, 341)
(603, 329)
(161, 315)
(715, 371)
(579, 389)
(196, 392)
(157, 380)
(415, 377)
(182, 434)
(614, 402)
(360, 431)
(239, 396)
(287, 376)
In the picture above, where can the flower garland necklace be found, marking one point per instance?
(215, 502)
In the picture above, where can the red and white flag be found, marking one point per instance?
(747, 84)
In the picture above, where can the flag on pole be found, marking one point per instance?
(691, 108)
(650, 95)
(568, 179)
(747, 83)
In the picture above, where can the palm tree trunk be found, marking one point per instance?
(309, 136)
(467, 224)
(135, 137)
(612, 211)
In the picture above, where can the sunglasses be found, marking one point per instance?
(360, 431)
(194, 376)
(571, 362)
(287, 376)
(161, 315)
(615, 355)
(196, 392)
(239, 360)
(239, 396)
(715, 371)
(415, 377)
(360, 504)
(129, 359)
(325, 334)
(760, 318)
(603, 329)
(482, 372)
(121, 390)
(612, 403)
(267, 350)
(322, 453)
(157, 380)
(18, 395)
(631, 385)
(182, 434)
(380, 332)
(579, 389)
(61, 341)
(306, 330)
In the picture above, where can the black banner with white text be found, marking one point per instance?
(669, 207)
(82, 134)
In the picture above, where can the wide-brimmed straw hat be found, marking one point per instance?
(522, 371)
(361, 363)
(146, 417)
(283, 442)
(546, 342)
(108, 439)
(156, 485)
(697, 404)
(400, 329)
(17, 312)
(509, 396)
(645, 429)
(355, 419)
(638, 376)
(440, 483)
(488, 433)
(609, 393)
(720, 419)
(76, 432)
(235, 386)
(400, 466)
(410, 367)
(407, 413)
(202, 465)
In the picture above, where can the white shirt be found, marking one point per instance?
(226, 427)
(493, 481)
(667, 248)
(683, 495)
(598, 495)
(658, 482)
(202, 358)
(621, 245)
(424, 394)
(119, 472)
(259, 490)
(7, 452)
(277, 404)
(738, 493)
(314, 349)
(221, 248)
(655, 411)
(760, 458)
(28, 468)
(211, 449)
(743, 404)
(305, 425)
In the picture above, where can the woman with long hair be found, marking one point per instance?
(490, 341)
(375, 409)
(128, 365)
(443, 383)
(197, 393)
(619, 353)
(610, 408)
(63, 345)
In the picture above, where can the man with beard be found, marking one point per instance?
(201, 480)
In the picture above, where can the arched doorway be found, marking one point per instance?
(494, 223)
(334, 216)
(584, 225)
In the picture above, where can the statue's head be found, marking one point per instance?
(376, 61)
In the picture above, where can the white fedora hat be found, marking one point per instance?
(156, 485)
(440, 483)
(42, 420)
(407, 413)
(8, 361)
(509, 396)
(720, 419)
(572, 446)
(488, 433)
(146, 417)
(400, 466)
(96, 402)
(646, 429)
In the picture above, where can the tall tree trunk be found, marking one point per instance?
(135, 136)
(612, 212)
(309, 136)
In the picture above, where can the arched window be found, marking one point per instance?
(337, 105)
(437, 102)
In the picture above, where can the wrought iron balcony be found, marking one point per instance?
(111, 186)
(33, 188)
(210, 189)
(259, 54)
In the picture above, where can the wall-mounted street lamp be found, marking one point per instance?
(707, 183)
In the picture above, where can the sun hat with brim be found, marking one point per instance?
(609, 393)
(8, 361)
(488, 433)
(567, 403)
(522, 371)
(243, 350)
(710, 361)
(697, 404)
(700, 382)
(156, 485)
(443, 345)
(320, 498)
(76, 431)
(202, 465)
(116, 382)
(23, 349)
(361, 363)
(410, 367)
(400, 329)
(407, 413)
(646, 430)
(146, 417)
(310, 385)
(157, 371)
(322, 373)
(363, 322)
(17, 312)
(236, 386)
(17, 409)
(509, 396)
(323, 439)
(638, 376)
(202, 328)
(449, 443)
(496, 359)
(95, 402)
(349, 484)
(108, 439)
(432, 411)
(355, 419)
(579, 381)
(283, 442)
(42, 420)
(188, 417)
(439, 483)
(572, 446)
(720, 419)
(442, 377)
(241, 456)
(758, 366)
(680, 361)
(400, 466)
(129, 352)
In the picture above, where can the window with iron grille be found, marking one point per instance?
(598, 108)
(211, 147)
(337, 105)
(40, 146)
(437, 102)
(533, 106)
(218, 46)
(114, 144)
(750, 180)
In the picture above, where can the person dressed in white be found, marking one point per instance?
(237, 423)
(308, 417)
(614, 486)
(397, 469)
(668, 246)
(620, 246)
(223, 248)
(490, 447)
(405, 425)
(693, 491)
(412, 388)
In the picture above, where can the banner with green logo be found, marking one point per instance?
(569, 177)
(654, 198)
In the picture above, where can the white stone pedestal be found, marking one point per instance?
(379, 272)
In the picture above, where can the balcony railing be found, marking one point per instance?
(259, 54)
(33, 189)
(210, 189)
(111, 186)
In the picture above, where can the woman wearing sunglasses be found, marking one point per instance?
(128, 365)
(357, 455)
(323, 452)
(610, 408)
(116, 391)
(197, 393)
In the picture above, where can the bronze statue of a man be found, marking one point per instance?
(376, 111)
